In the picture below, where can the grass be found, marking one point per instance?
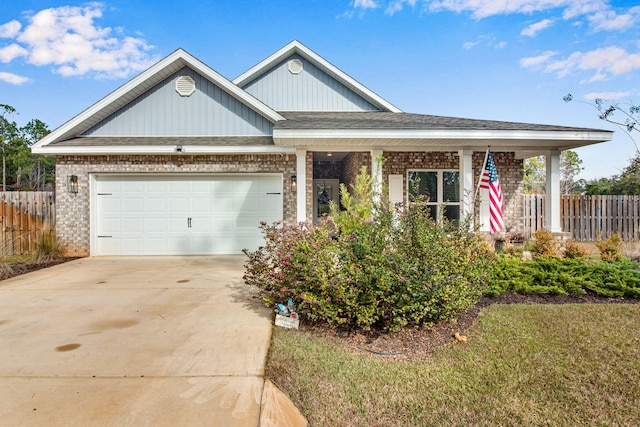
(523, 365)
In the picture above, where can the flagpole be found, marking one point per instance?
(484, 164)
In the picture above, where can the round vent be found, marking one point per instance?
(185, 86)
(295, 66)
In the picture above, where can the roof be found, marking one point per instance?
(139, 85)
(353, 131)
(385, 120)
(295, 47)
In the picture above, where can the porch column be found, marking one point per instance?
(467, 190)
(301, 189)
(552, 189)
(376, 172)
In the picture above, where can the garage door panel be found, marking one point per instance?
(110, 205)
(149, 215)
(110, 226)
(156, 225)
(132, 205)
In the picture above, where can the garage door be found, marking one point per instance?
(161, 215)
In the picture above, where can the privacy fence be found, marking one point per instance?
(588, 217)
(25, 216)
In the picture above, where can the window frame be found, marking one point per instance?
(440, 190)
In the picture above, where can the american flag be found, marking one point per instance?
(491, 182)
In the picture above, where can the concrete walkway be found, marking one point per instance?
(162, 341)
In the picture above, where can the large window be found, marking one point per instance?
(441, 189)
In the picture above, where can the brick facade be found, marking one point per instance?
(510, 171)
(72, 210)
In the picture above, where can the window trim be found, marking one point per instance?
(440, 184)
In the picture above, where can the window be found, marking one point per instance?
(441, 189)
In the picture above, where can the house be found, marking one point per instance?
(181, 160)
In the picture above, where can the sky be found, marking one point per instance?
(511, 60)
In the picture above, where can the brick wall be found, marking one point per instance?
(72, 210)
(352, 164)
(510, 172)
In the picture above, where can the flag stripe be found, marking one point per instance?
(491, 182)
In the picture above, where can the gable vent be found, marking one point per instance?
(185, 86)
(295, 66)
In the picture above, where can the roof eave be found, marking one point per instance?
(438, 140)
(159, 149)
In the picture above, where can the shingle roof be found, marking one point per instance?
(208, 141)
(397, 121)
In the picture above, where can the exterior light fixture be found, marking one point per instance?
(294, 182)
(179, 149)
(329, 154)
(72, 183)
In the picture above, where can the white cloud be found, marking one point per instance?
(609, 20)
(606, 95)
(535, 61)
(10, 29)
(604, 63)
(13, 79)
(397, 5)
(535, 28)
(11, 52)
(365, 4)
(485, 8)
(68, 39)
(470, 45)
(501, 45)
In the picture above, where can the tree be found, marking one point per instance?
(625, 183)
(626, 117)
(6, 129)
(570, 167)
(21, 169)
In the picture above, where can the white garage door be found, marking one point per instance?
(162, 215)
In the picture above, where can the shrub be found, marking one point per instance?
(574, 250)
(544, 245)
(371, 267)
(611, 248)
(47, 246)
(565, 276)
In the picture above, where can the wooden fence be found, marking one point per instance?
(25, 214)
(588, 217)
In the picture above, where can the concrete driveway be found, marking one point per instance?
(132, 341)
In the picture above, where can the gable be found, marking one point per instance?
(311, 89)
(161, 111)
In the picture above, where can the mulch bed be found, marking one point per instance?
(17, 269)
(415, 344)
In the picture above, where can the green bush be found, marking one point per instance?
(565, 276)
(371, 267)
(611, 248)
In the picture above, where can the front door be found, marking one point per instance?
(324, 192)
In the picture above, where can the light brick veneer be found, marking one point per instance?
(510, 172)
(72, 210)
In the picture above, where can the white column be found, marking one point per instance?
(376, 172)
(552, 189)
(467, 190)
(301, 192)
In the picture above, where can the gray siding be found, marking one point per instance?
(311, 90)
(210, 111)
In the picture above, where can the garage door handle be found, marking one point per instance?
(189, 222)
(274, 193)
(105, 236)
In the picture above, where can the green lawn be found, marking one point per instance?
(523, 365)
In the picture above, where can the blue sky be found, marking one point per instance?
(503, 60)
